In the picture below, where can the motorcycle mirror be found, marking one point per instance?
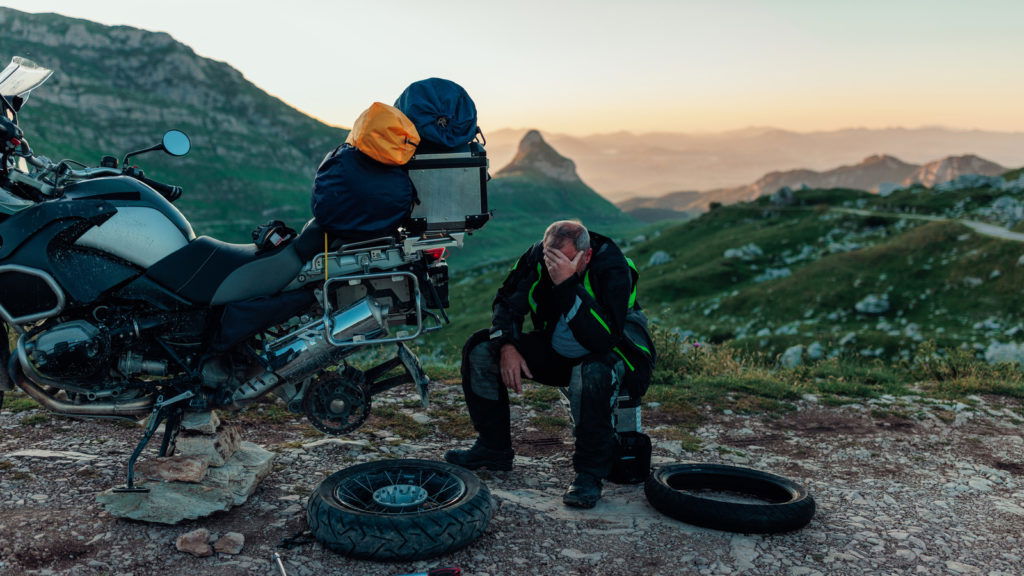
(176, 143)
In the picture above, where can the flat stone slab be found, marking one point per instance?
(223, 488)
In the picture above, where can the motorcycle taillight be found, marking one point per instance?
(435, 254)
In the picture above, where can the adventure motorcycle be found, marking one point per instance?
(118, 310)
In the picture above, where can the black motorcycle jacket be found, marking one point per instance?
(605, 293)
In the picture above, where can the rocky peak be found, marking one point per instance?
(535, 156)
(952, 167)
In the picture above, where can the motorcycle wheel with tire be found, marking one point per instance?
(399, 509)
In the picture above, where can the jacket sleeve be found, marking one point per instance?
(512, 302)
(596, 304)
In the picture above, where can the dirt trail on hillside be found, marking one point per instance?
(982, 228)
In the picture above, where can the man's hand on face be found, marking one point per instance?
(513, 367)
(559, 266)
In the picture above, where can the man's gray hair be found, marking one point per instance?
(565, 230)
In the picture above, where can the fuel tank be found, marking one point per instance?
(146, 227)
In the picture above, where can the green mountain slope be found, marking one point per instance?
(817, 273)
(117, 89)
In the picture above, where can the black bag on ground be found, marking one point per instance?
(357, 198)
(632, 463)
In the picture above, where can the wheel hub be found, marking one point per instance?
(400, 496)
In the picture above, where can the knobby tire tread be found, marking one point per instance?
(402, 537)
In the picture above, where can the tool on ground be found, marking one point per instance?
(277, 559)
(450, 571)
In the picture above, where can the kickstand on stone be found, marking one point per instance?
(168, 411)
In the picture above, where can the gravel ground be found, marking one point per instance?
(903, 486)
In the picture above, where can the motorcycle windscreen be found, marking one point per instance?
(21, 77)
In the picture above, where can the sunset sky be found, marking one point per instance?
(587, 66)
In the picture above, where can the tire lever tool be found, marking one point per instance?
(277, 559)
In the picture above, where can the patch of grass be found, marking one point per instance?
(688, 441)
(454, 421)
(401, 424)
(19, 403)
(550, 424)
(267, 413)
(540, 397)
(6, 465)
(33, 419)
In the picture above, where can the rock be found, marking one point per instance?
(815, 351)
(201, 422)
(55, 454)
(792, 357)
(171, 502)
(1009, 353)
(230, 543)
(746, 253)
(873, 304)
(577, 555)
(658, 258)
(421, 418)
(773, 274)
(174, 469)
(196, 543)
(973, 281)
(961, 568)
(214, 449)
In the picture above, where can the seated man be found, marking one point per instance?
(577, 288)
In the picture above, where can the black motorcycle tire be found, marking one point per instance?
(770, 503)
(360, 529)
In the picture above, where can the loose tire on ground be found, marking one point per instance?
(694, 493)
(347, 515)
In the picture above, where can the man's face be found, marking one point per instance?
(569, 250)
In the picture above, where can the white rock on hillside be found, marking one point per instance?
(773, 274)
(873, 304)
(748, 252)
(1009, 353)
(658, 258)
(792, 357)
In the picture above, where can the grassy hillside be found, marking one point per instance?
(764, 278)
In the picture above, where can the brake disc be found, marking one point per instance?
(337, 403)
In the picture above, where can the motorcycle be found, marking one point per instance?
(118, 310)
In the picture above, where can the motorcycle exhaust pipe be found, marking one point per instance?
(366, 319)
(133, 409)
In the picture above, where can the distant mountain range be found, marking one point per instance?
(622, 164)
(870, 174)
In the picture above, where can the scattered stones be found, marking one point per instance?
(746, 253)
(215, 449)
(169, 503)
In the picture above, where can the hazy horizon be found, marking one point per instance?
(582, 67)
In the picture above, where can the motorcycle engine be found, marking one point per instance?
(72, 349)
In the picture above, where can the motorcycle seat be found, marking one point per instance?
(208, 271)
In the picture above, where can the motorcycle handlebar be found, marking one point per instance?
(168, 191)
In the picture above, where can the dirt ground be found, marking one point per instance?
(903, 486)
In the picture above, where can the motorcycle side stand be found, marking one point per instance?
(164, 411)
